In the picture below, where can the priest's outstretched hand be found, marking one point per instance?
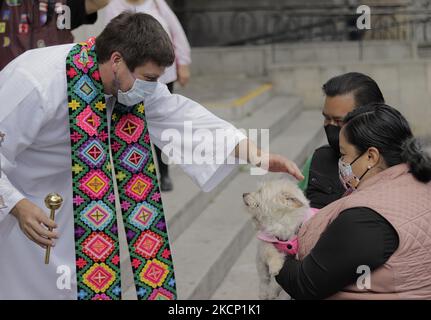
(248, 151)
(279, 163)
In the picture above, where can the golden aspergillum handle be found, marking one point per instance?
(53, 201)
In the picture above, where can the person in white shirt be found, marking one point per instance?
(36, 152)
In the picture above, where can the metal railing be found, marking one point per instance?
(257, 25)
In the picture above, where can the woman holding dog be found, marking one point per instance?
(375, 242)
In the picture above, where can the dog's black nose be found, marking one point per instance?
(245, 195)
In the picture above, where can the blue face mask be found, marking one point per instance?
(139, 92)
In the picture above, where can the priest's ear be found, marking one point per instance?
(116, 59)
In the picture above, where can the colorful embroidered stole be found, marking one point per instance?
(96, 233)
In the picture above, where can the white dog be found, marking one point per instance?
(278, 209)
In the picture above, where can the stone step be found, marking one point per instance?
(187, 201)
(242, 107)
(206, 251)
(242, 281)
(232, 98)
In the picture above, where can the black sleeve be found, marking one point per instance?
(79, 15)
(358, 236)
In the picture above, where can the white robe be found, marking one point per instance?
(36, 160)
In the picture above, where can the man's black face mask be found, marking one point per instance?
(333, 136)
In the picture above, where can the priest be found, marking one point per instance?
(79, 119)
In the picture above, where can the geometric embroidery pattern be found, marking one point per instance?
(88, 121)
(148, 244)
(154, 273)
(96, 231)
(92, 153)
(99, 277)
(134, 158)
(161, 294)
(98, 246)
(85, 89)
(95, 184)
(143, 216)
(129, 128)
(139, 187)
(97, 215)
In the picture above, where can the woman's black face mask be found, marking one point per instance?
(333, 136)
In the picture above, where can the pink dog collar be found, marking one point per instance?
(290, 246)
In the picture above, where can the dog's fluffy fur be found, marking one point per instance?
(278, 208)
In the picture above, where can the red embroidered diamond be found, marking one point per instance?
(129, 128)
(94, 152)
(98, 246)
(135, 158)
(148, 244)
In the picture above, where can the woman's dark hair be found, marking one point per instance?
(385, 128)
(364, 89)
(139, 38)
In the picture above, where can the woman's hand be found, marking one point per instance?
(135, 2)
(183, 74)
(34, 223)
(92, 6)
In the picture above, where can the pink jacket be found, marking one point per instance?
(406, 204)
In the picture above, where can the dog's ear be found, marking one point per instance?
(290, 201)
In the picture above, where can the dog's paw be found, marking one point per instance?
(269, 293)
(263, 295)
(275, 264)
(273, 295)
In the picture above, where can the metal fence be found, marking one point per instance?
(223, 26)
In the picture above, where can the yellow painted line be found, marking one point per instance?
(252, 95)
